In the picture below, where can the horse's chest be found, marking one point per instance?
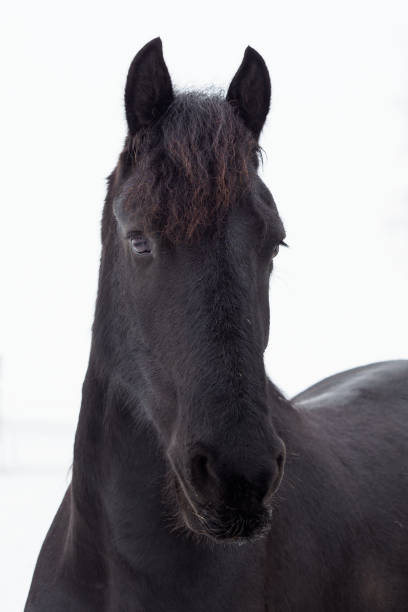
(200, 590)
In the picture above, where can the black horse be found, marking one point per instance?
(178, 502)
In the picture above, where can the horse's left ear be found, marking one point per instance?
(250, 91)
(149, 91)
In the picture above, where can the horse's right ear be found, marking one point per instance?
(148, 91)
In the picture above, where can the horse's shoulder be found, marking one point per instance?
(376, 381)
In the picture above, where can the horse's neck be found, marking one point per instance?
(119, 473)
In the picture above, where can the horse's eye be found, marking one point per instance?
(140, 245)
(275, 250)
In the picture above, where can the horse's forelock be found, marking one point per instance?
(192, 167)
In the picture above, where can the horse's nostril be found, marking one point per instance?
(280, 462)
(275, 476)
(203, 476)
(199, 472)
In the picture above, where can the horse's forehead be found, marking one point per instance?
(178, 202)
(190, 170)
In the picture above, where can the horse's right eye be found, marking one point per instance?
(140, 245)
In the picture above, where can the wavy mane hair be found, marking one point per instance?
(190, 167)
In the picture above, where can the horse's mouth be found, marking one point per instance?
(223, 523)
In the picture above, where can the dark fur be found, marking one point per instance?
(175, 502)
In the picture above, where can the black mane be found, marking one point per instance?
(191, 166)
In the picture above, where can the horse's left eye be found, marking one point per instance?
(140, 245)
(275, 250)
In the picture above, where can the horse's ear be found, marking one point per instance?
(148, 91)
(250, 91)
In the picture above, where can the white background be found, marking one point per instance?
(337, 148)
